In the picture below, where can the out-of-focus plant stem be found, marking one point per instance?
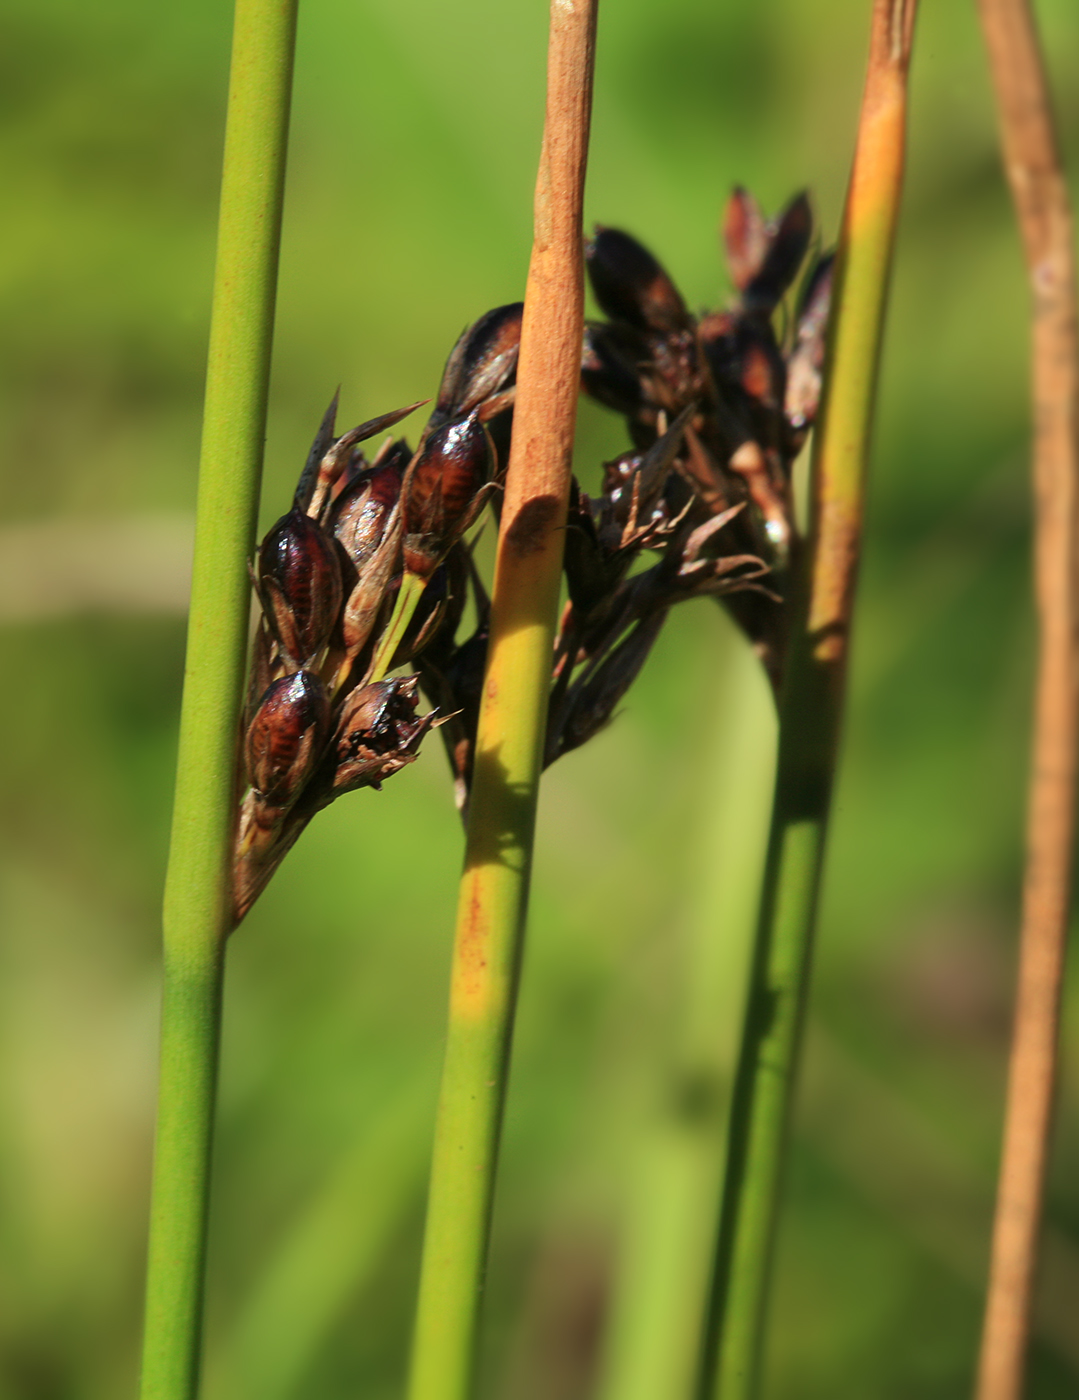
(811, 709)
(665, 1245)
(1033, 166)
(198, 901)
(510, 739)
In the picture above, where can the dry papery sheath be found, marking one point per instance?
(717, 408)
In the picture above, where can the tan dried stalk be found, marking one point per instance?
(1033, 167)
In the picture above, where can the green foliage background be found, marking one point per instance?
(408, 213)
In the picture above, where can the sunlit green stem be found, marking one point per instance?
(493, 899)
(810, 716)
(197, 912)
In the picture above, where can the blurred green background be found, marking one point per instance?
(408, 213)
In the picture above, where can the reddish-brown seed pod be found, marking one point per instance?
(745, 236)
(482, 363)
(300, 584)
(378, 733)
(286, 737)
(443, 492)
(788, 244)
(365, 506)
(630, 285)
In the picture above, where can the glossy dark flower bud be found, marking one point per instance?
(364, 507)
(286, 737)
(378, 733)
(630, 285)
(300, 585)
(788, 243)
(443, 492)
(482, 363)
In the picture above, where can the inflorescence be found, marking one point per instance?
(370, 571)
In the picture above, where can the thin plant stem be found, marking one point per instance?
(811, 708)
(1033, 166)
(510, 740)
(665, 1245)
(197, 913)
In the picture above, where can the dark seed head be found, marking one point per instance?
(300, 582)
(611, 357)
(364, 507)
(630, 285)
(482, 363)
(286, 736)
(378, 732)
(442, 492)
(787, 246)
(745, 235)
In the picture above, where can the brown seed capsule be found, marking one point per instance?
(610, 360)
(630, 285)
(745, 235)
(788, 243)
(364, 507)
(378, 733)
(286, 737)
(482, 363)
(443, 492)
(300, 585)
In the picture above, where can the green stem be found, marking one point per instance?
(810, 716)
(198, 898)
(509, 745)
(408, 597)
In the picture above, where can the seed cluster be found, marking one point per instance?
(321, 717)
(750, 389)
(369, 571)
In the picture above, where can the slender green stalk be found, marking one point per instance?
(810, 714)
(408, 597)
(510, 737)
(1040, 191)
(197, 913)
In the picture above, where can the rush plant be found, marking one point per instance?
(365, 585)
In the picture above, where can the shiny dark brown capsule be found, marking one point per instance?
(286, 737)
(363, 508)
(442, 493)
(300, 584)
(630, 285)
(482, 363)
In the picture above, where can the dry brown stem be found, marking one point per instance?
(1034, 172)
